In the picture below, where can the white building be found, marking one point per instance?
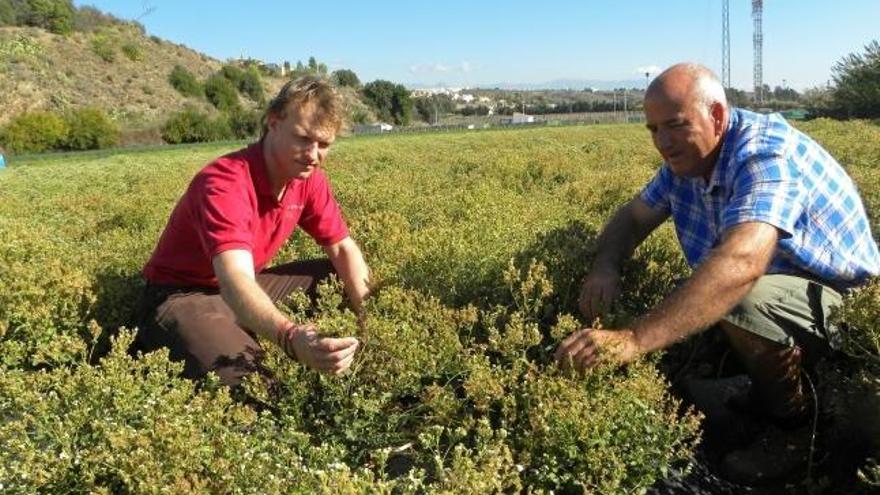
(521, 118)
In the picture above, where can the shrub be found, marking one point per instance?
(8, 14)
(246, 81)
(34, 132)
(346, 78)
(221, 93)
(133, 51)
(233, 74)
(244, 123)
(185, 82)
(192, 126)
(452, 390)
(89, 129)
(251, 85)
(102, 46)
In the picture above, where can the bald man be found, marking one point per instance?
(772, 226)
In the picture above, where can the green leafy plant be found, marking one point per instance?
(34, 132)
(191, 126)
(89, 129)
(477, 242)
(185, 82)
(103, 47)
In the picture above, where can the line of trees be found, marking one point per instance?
(857, 84)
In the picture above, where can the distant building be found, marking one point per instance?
(374, 128)
(521, 118)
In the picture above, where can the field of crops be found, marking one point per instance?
(479, 241)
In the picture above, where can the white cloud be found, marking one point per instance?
(651, 69)
(440, 68)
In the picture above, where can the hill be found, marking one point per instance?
(117, 68)
(46, 71)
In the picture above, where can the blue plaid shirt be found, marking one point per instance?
(770, 172)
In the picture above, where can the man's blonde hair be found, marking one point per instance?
(308, 90)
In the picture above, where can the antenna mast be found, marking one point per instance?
(725, 43)
(758, 40)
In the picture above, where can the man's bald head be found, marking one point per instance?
(688, 83)
(687, 114)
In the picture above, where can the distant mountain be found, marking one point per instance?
(556, 84)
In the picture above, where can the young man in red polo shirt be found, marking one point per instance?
(208, 295)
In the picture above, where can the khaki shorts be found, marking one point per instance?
(789, 310)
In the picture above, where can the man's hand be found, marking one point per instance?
(588, 347)
(600, 289)
(330, 355)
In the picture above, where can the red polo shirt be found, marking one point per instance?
(230, 205)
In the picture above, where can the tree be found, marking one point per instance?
(737, 97)
(819, 101)
(345, 77)
(857, 81)
(390, 101)
(785, 94)
(53, 15)
(8, 14)
(431, 107)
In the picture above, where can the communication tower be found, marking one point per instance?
(725, 43)
(758, 41)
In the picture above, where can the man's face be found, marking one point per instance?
(297, 144)
(685, 133)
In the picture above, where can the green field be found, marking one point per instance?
(479, 239)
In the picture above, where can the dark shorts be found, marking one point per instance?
(789, 310)
(197, 326)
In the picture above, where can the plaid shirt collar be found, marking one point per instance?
(725, 158)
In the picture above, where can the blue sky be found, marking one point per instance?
(460, 43)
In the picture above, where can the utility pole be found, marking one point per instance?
(614, 99)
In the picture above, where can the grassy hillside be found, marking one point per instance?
(40, 70)
(480, 240)
(116, 68)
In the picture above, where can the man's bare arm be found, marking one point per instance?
(721, 281)
(629, 226)
(256, 311)
(240, 290)
(348, 260)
